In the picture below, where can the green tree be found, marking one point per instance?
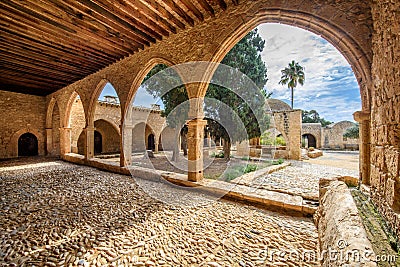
(245, 57)
(312, 116)
(292, 75)
(352, 132)
(176, 117)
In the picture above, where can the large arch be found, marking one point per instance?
(354, 53)
(53, 125)
(75, 119)
(15, 137)
(94, 100)
(110, 136)
(139, 79)
(140, 136)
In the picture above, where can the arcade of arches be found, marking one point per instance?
(367, 33)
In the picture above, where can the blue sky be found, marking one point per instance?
(330, 88)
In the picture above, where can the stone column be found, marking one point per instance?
(195, 149)
(125, 157)
(89, 142)
(65, 140)
(49, 141)
(155, 145)
(364, 119)
(209, 139)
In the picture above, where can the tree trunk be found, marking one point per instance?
(227, 149)
(292, 96)
(184, 144)
(175, 153)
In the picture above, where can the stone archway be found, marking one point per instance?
(309, 140)
(27, 145)
(151, 142)
(98, 143)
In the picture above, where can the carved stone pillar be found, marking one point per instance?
(125, 157)
(364, 119)
(89, 142)
(195, 141)
(65, 140)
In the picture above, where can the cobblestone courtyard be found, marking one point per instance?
(59, 214)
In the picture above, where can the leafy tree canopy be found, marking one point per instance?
(352, 132)
(312, 116)
(245, 57)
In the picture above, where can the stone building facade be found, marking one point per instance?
(365, 32)
(147, 124)
(329, 137)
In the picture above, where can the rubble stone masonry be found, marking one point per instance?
(19, 114)
(385, 111)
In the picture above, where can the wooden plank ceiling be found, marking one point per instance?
(48, 44)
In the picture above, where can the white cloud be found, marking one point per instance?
(330, 83)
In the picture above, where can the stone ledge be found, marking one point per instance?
(340, 227)
(248, 177)
(270, 200)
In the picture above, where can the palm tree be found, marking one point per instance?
(292, 75)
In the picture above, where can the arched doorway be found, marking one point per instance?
(27, 145)
(98, 143)
(150, 142)
(309, 140)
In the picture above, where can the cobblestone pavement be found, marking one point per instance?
(301, 178)
(59, 214)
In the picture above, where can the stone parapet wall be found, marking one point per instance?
(340, 228)
(385, 112)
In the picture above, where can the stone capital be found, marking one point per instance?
(360, 116)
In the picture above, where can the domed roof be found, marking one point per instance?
(278, 105)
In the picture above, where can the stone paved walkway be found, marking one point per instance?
(59, 214)
(302, 177)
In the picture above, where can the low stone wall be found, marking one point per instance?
(314, 154)
(342, 238)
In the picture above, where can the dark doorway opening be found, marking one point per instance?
(150, 142)
(98, 143)
(27, 145)
(312, 142)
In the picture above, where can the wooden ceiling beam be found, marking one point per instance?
(154, 6)
(37, 76)
(193, 9)
(129, 19)
(63, 74)
(36, 52)
(144, 38)
(82, 27)
(204, 4)
(55, 42)
(34, 25)
(222, 4)
(62, 53)
(29, 81)
(143, 15)
(33, 90)
(96, 21)
(178, 10)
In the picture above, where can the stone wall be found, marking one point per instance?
(21, 114)
(385, 111)
(110, 136)
(340, 227)
(289, 124)
(314, 129)
(332, 135)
